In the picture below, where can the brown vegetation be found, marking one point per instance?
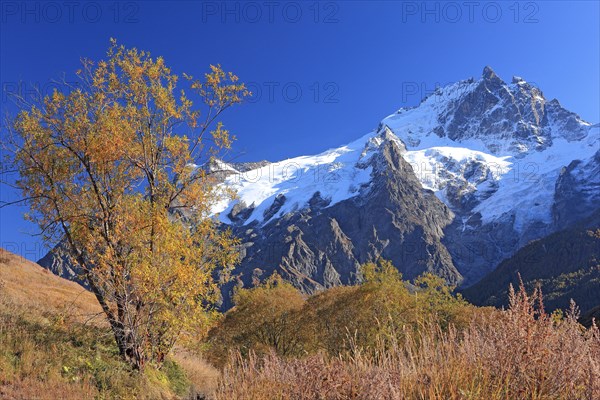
(385, 339)
(277, 317)
(435, 348)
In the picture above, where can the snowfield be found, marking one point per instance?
(508, 177)
(337, 174)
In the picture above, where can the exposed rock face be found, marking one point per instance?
(240, 212)
(56, 261)
(320, 246)
(275, 207)
(508, 118)
(577, 191)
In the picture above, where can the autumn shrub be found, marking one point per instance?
(520, 353)
(276, 316)
(264, 317)
(383, 306)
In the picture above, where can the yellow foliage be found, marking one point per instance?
(107, 173)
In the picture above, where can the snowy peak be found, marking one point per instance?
(490, 79)
(490, 115)
(471, 143)
(496, 154)
(516, 80)
(488, 73)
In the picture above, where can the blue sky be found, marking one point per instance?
(323, 73)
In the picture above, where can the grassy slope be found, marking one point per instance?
(27, 284)
(54, 344)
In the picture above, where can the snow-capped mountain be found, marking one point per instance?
(505, 162)
(453, 186)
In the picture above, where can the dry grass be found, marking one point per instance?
(521, 353)
(202, 376)
(46, 352)
(33, 389)
(34, 304)
(27, 284)
(55, 344)
(45, 356)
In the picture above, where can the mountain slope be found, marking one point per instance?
(506, 162)
(323, 244)
(565, 264)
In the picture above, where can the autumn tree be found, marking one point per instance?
(111, 170)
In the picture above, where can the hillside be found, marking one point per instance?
(54, 344)
(26, 283)
(565, 264)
